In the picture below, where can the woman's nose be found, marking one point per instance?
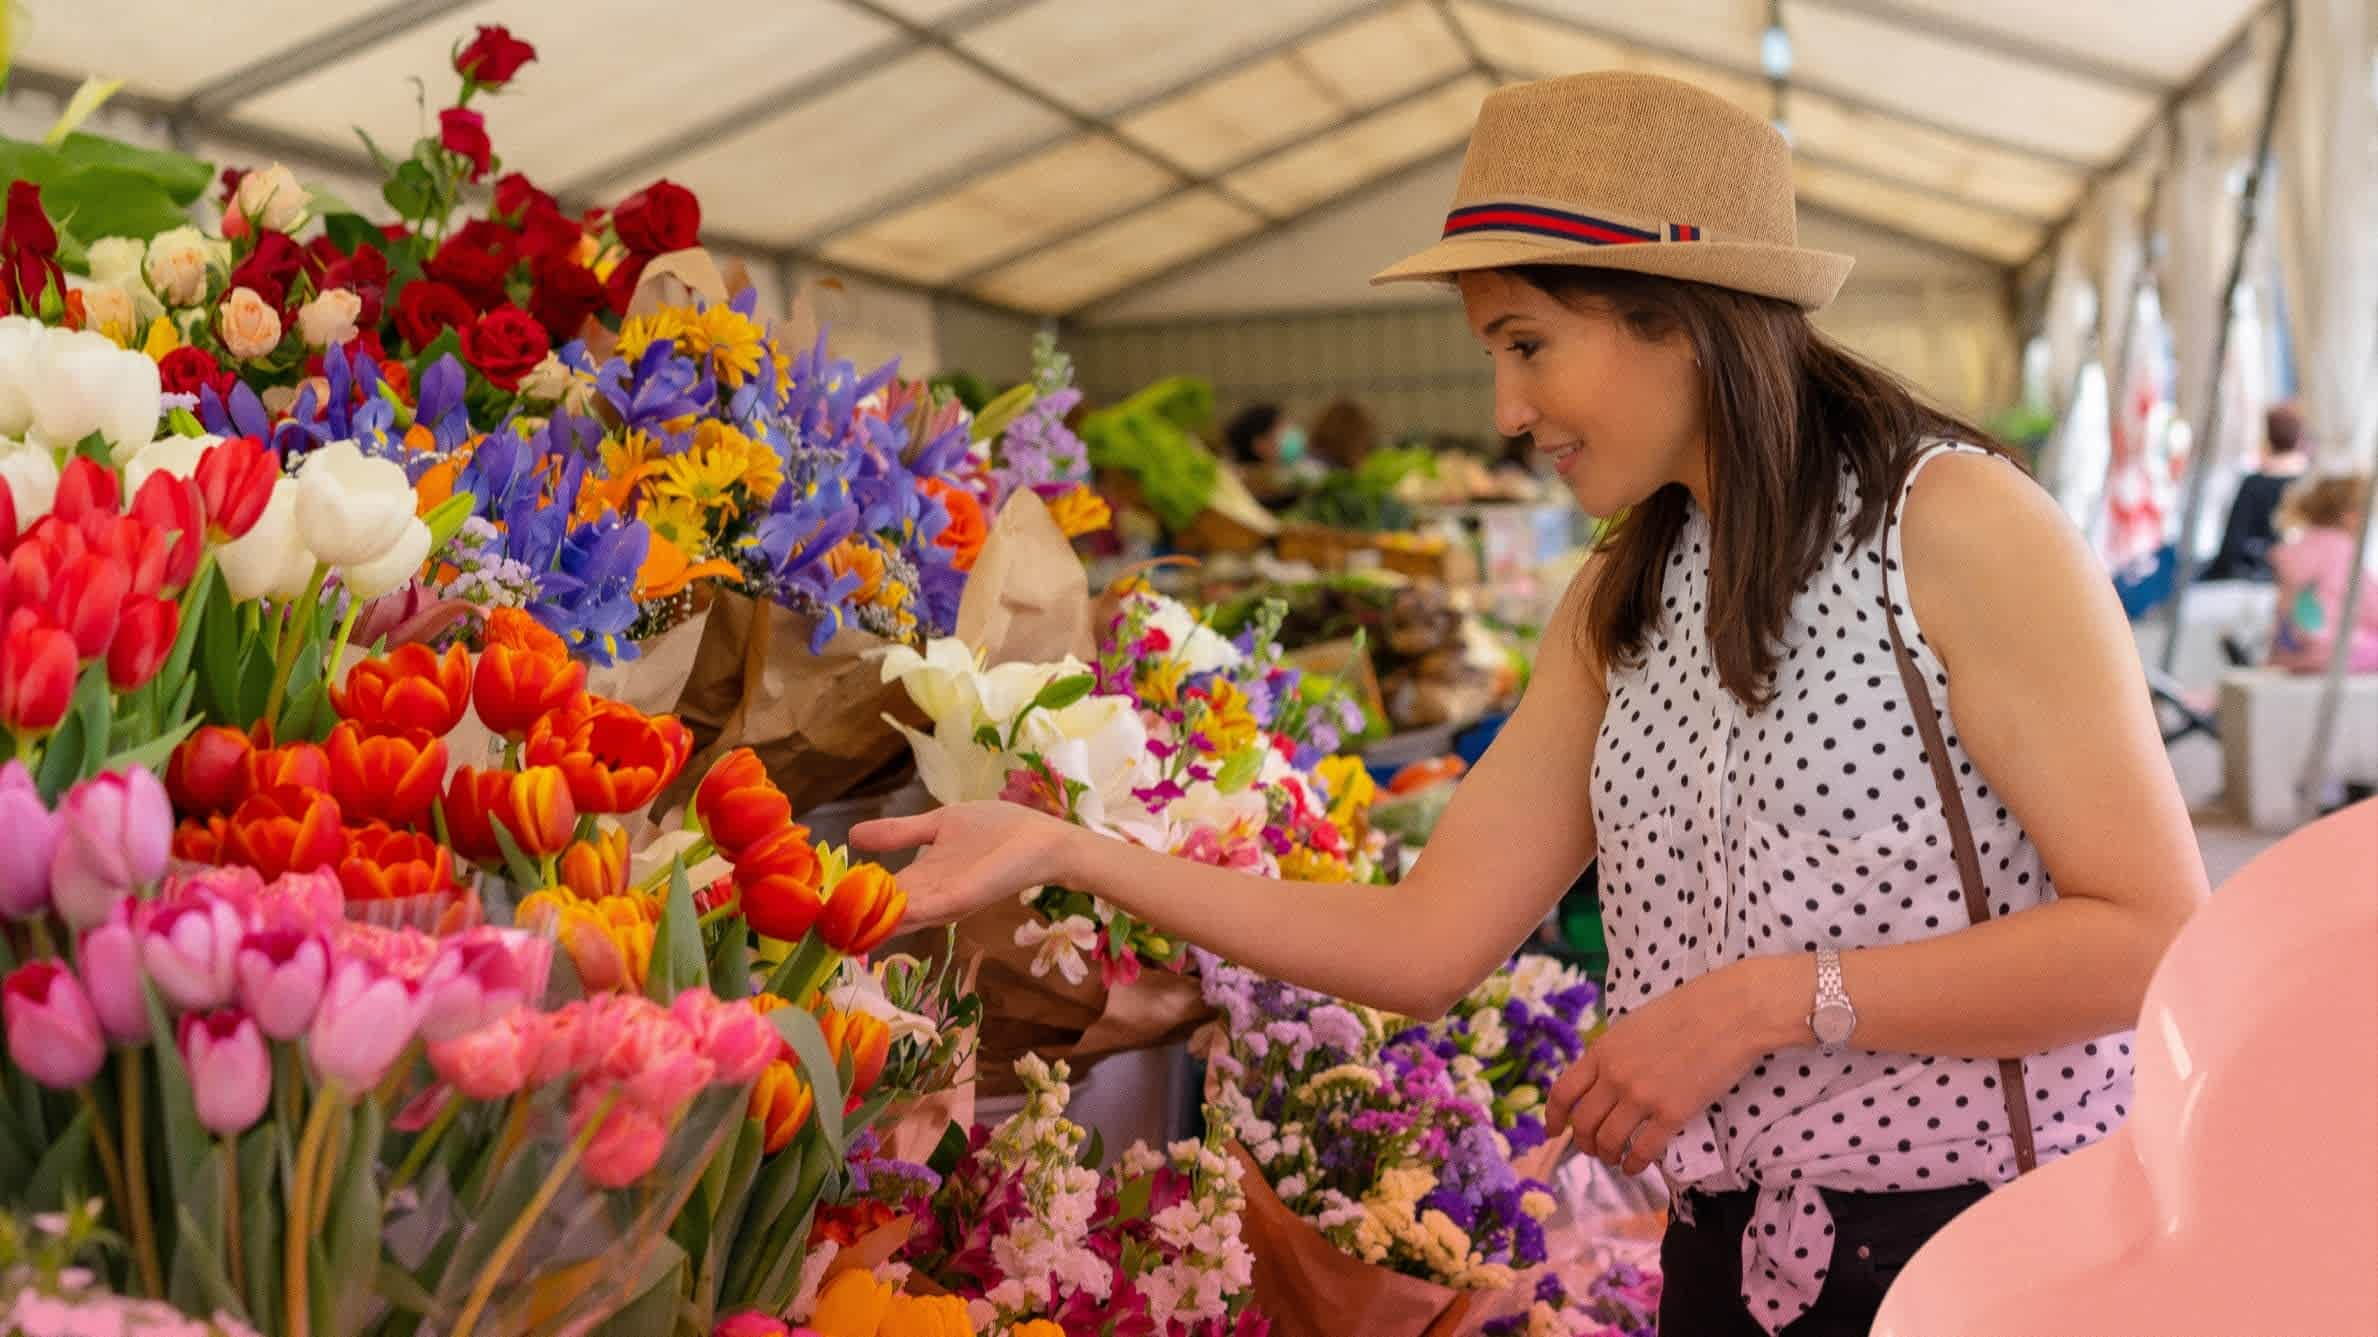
(1514, 415)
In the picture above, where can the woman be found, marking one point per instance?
(1807, 1023)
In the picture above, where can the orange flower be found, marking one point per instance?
(524, 672)
(779, 879)
(862, 910)
(287, 830)
(739, 805)
(299, 765)
(782, 1102)
(437, 483)
(667, 573)
(615, 757)
(541, 817)
(599, 867)
(964, 535)
(412, 688)
(533, 805)
(857, 557)
(209, 771)
(1080, 512)
(609, 940)
(391, 777)
(196, 841)
(386, 865)
(864, 1042)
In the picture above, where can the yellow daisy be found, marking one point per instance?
(641, 332)
(732, 340)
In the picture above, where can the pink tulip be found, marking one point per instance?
(479, 977)
(282, 973)
(230, 1069)
(627, 1145)
(366, 1020)
(52, 1032)
(739, 1042)
(494, 1061)
(308, 902)
(751, 1323)
(191, 950)
(655, 1060)
(113, 835)
(32, 838)
(110, 959)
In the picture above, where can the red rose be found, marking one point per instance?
(28, 249)
(624, 278)
(663, 216)
(320, 254)
(268, 269)
(463, 132)
(232, 176)
(475, 261)
(493, 56)
(505, 345)
(547, 234)
(187, 370)
(566, 294)
(426, 308)
(516, 195)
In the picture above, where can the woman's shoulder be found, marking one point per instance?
(1981, 542)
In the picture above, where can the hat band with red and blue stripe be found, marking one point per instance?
(1562, 225)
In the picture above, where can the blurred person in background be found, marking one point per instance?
(1345, 435)
(2314, 566)
(2247, 540)
(1268, 447)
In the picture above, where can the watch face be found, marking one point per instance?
(1833, 1024)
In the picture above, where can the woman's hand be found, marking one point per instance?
(975, 854)
(1643, 1079)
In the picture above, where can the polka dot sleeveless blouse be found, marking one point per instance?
(1726, 834)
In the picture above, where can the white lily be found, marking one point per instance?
(1098, 740)
(940, 681)
(953, 767)
(352, 508)
(1005, 689)
(1061, 946)
(860, 988)
(271, 559)
(80, 382)
(31, 476)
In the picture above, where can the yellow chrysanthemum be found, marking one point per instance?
(733, 342)
(1160, 682)
(856, 556)
(638, 333)
(1350, 781)
(719, 470)
(1307, 865)
(679, 521)
(1080, 512)
(1229, 723)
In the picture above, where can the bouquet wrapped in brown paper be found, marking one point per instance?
(1310, 1287)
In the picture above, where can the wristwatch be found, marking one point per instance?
(1832, 1020)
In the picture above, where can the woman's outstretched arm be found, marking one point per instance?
(1518, 832)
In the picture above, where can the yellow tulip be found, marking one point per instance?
(852, 1305)
(926, 1316)
(1039, 1327)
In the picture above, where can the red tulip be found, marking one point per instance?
(542, 817)
(298, 765)
(235, 479)
(204, 841)
(616, 758)
(87, 487)
(385, 865)
(411, 690)
(524, 672)
(134, 544)
(89, 601)
(174, 509)
(862, 910)
(393, 778)
(739, 805)
(143, 639)
(37, 669)
(779, 880)
(287, 830)
(209, 771)
(533, 805)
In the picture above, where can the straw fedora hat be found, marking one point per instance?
(1628, 171)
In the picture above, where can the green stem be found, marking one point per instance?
(509, 1246)
(301, 1197)
(110, 1165)
(302, 614)
(338, 643)
(136, 1177)
(424, 1145)
(725, 912)
(231, 1231)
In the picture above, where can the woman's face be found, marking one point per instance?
(1619, 416)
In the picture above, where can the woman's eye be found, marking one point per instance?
(1526, 349)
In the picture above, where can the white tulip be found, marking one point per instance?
(82, 383)
(370, 580)
(31, 477)
(176, 455)
(351, 507)
(270, 559)
(19, 336)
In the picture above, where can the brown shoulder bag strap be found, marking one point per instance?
(1969, 863)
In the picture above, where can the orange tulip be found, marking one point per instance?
(599, 867)
(386, 865)
(391, 777)
(287, 830)
(615, 757)
(196, 841)
(609, 940)
(739, 805)
(542, 817)
(472, 797)
(524, 672)
(782, 1102)
(779, 879)
(298, 765)
(863, 1041)
(412, 688)
(862, 910)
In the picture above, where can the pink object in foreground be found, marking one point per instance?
(113, 834)
(366, 1020)
(2257, 1052)
(752, 1323)
(230, 1069)
(110, 962)
(52, 1032)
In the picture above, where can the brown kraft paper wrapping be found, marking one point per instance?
(1310, 1287)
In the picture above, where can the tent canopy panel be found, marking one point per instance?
(1984, 232)
(151, 45)
(1066, 276)
(1082, 53)
(1364, 151)
(2164, 43)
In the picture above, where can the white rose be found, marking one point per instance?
(330, 318)
(107, 307)
(177, 265)
(31, 477)
(81, 383)
(269, 559)
(116, 260)
(19, 336)
(175, 455)
(351, 507)
(271, 199)
(370, 580)
(250, 327)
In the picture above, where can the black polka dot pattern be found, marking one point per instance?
(1726, 834)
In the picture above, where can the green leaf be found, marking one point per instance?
(67, 1166)
(800, 1030)
(153, 754)
(516, 865)
(949, 1152)
(398, 1288)
(447, 344)
(254, 684)
(260, 1213)
(1064, 692)
(677, 963)
(730, 962)
(727, 1209)
(409, 190)
(1000, 412)
(182, 177)
(778, 1182)
(1240, 771)
(81, 738)
(353, 1229)
(350, 232)
(195, 1257)
(987, 737)
(188, 1148)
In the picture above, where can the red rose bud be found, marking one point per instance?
(28, 251)
(426, 309)
(189, 369)
(412, 689)
(566, 295)
(298, 765)
(463, 133)
(387, 865)
(209, 771)
(505, 345)
(393, 778)
(739, 805)
(663, 216)
(286, 830)
(493, 56)
(235, 479)
(87, 487)
(89, 601)
(176, 510)
(143, 639)
(37, 669)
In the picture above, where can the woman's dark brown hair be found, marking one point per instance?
(1786, 408)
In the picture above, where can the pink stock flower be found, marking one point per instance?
(52, 1032)
(625, 1146)
(366, 1019)
(110, 960)
(191, 951)
(230, 1069)
(282, 973)
(479, 977)
(738, 1040)
(114, 831)
(32, 839)
(753, 1323)
(496, 1060)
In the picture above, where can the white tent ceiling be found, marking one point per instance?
(1047, 154)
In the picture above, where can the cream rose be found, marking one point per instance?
(330, 318)
(271, 199)
(109, 310)
(116, 260)
(249, 325)
(177, 265)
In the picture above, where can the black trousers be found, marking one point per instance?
(1874, 1234)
